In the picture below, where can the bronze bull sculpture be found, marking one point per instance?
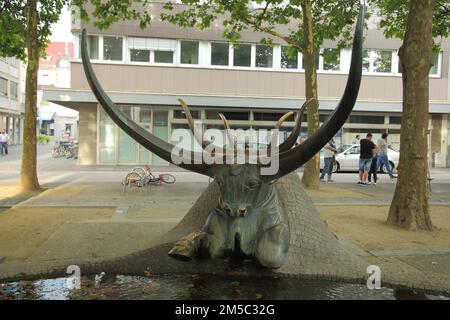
(248, 219)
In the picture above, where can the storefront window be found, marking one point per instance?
(179, 114)
(145, 114)
(107, 139)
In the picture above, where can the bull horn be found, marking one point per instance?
(292, 138)
(227, 128)
(283, 118)
(190, 121)
(152, 143)
(294, 158)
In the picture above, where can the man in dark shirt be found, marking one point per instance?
(365, 158)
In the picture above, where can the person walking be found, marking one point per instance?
(383, 155)
(4, 137)
(356, 140)
(373, 168)
(365, 158)
(328, 158)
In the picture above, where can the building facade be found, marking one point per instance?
(57, 122)
(12, 99)
(146, 71)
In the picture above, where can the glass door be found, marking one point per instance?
(160, 129)
(107, 140)
(144, 154)
(127, 149)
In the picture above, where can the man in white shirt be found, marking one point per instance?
(328, 157)
(383, 155)
(4, 137)
(356, 140)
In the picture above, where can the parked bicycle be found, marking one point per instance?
(151, 178)
(142, 176)
(133, 179)
(68, 149)
(72, 150)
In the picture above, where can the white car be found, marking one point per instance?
(347, 159)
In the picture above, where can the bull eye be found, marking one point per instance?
(253, 184)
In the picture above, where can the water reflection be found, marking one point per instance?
(195, 287)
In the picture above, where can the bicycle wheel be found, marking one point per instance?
(168, 178)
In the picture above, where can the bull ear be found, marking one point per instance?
(294, 158)
(160, 147)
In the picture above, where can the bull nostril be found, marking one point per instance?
(242, 211)
(227, 208)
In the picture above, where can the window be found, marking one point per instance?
(382, 61)
(220, 54)
(354, 150)
(92, 46)
(331, 59)
(264, 56)
(179, 114)
(366, 61)
(137, 55)
(395, 120)
(367, 119)
(164, 56)
(377, 61)
(13, 90)
(435, 69)
(3, 87)
(270, 116)
(286, 62)
(231, 115)
(145, 114)
(242, 55)
(189, 52)
(316, 61)
(112, 48)
(127, 110)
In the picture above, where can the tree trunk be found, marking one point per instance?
(28, 174)
(409, 208)
(312, 168)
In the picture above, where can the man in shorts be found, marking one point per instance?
(365, 159)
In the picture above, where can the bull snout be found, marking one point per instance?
(235, 211)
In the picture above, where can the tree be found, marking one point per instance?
(24, 31)
(417, 22)
(309, 23)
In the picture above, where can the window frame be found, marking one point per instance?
(124, 49)
(211, 54)
(16, 96)
(198, 64)
(205, 55)
(6, 93)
